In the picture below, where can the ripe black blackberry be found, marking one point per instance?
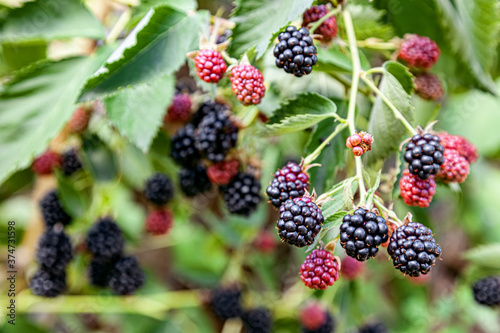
(182, 148)
(327, 327)
(54, 250)
(375, 327)
(295, 52)
(288, 183)
(126, 276)
(71, 162)
(413, 249)
(300, 221)
(205, 109)
(159, 189)
(424, 155)
(194, 181)
(361, 234)
(216, 135)
(257, 320)
(105, 239)
(99, 271)
(226, 302)
(48, 284)
(242, 194)
(52, 210)
(487, 291)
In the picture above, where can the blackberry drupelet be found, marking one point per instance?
(159, 222)
(320, 270)
(375, 327)
(295, 52)
(54, 251)
(487, 291)
(300, 221)
(105, 239)
(205, 109)
(71, 162)
(327, 327)
(416, 191)
(413, 249)
(328, 29)
(226, 302)
(361, 234)
(126, 276)
(257, 320)
(48, 284)
(182, 148)
(289, 182)
(159, 189)
(99, 271)
(52, 210)
(216, 135)
(194, 181)
(424, 155)
(242, 194)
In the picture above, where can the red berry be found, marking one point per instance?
(210, 66)
(247, 83)
(416, 191)
(355, 140)
(221, 173)
(348, 143)
(313, 316)
(455, 168)
(351, 268)
(159, 222)
(419, 51)
(357, 151)
(320, 270)
(460, 144)
(179, 110)
(46, 163)
(79, 120)
(328, 29)
(429, 87)
(265, 242)
(367, 139)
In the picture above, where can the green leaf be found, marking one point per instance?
(371, 192)
(19, 55)
(368, 23)
(46, 20)
(335, 59)
(146, 5)
(259, 21)
(99, 159)
(35, 106)
(335, 202)
(156, 47)
(388, 131)
(138, 111)
(72, 199)
(334, 220)
(485, 255)
(348, 195)
(300, 113)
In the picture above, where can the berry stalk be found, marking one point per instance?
(319, 22)
(311, 157)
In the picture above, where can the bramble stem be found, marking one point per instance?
(351, 111)
(331, 13)
(119, 26)
(390, 213)
(375, 44)
(311, 157)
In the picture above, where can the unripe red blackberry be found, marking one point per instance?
(179, 110)
(328, 29)
(99, 271)
(455, 168)
(265, 242)
(362, 233)
(360, 143)
(460, 144)
(320, 270)
(419, 51)
(242, 194)
(226, 302)
(357, 151)
(126, 276)
(48, 284)
(221, 173)
(313, 316)
(71, 162)
(247, 83)
(105, 239)
(289, 182)
(487, 291)
(53, 211)
(429, 86)
(54, 250)
(216, 135)
(79, 120)
(257, 320)
(416, 191)
(194, 180)
(210, 66)
(351, 268)
(159, 189)
(295, 52)
(424, 155)
(182, 147)
(159, 222)
(413, 249)
(46, 163)
(299, 222)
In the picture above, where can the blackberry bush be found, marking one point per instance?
(424, 155)
(242, 194)
(295, 52)
(320, 270)
(487, 291)
(105, 239)
(54, 250)
(159, 189)
(52, 210)
(126, 276)
(194, 181)
(289, 182)
(361, 233)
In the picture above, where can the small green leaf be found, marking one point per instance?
(334, 220)
(19, 55)
(348, 195)
(402, 74)
(368, 23)
(73, 200)
(335, 202)
(335, 59)
(371, 192)
(485, 255)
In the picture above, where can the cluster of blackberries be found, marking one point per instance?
(225, 303)
(159, 191)
(109, 266)
(295, 52)
(69, 162)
